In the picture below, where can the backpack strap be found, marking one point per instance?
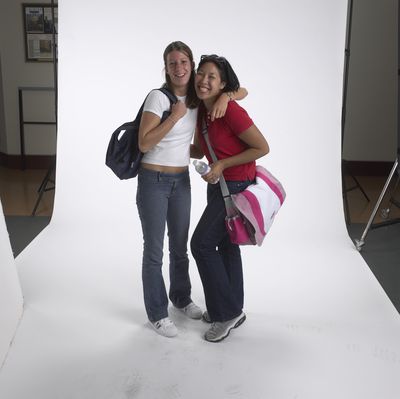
(171, 96)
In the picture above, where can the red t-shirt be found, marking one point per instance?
(224, 138)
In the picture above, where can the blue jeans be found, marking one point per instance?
(218, 260)
(164, 199)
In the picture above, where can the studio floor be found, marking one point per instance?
(381, 251)
(318, 324)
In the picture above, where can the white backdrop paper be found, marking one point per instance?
(319, 325)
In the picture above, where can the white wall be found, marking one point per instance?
(10, 292)
(371, 118)
(18, 73)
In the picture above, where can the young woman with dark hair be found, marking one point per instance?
(237, 143)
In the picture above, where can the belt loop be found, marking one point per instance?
(158, 176)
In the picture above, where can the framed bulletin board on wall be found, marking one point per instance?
(40, 31)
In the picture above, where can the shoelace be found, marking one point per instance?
(162, 322)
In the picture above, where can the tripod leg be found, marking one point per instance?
(43, 187)
(41, 192)
(361, 189)
(43, 184)
(360, 242)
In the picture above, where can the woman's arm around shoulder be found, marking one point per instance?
(220, 106)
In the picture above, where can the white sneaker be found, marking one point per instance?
(165, 327)
(192, 311)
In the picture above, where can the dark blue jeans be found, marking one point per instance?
(164, 199)
(218, 260)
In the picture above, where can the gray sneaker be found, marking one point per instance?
(219, 330)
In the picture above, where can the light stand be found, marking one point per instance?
(396, 167)
(50, 172)
(345, 170)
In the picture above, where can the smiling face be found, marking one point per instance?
(208, 83)
(178, 67)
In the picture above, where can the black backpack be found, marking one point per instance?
(123, 154)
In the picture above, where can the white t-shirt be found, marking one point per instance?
(174, 148)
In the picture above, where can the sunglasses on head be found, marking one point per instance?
(212, 57)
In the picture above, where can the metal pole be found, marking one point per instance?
(361, 241)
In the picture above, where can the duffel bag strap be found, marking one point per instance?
(229, 205)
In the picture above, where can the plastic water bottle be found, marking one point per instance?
(201, 167)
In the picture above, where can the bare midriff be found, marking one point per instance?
(163, 168)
